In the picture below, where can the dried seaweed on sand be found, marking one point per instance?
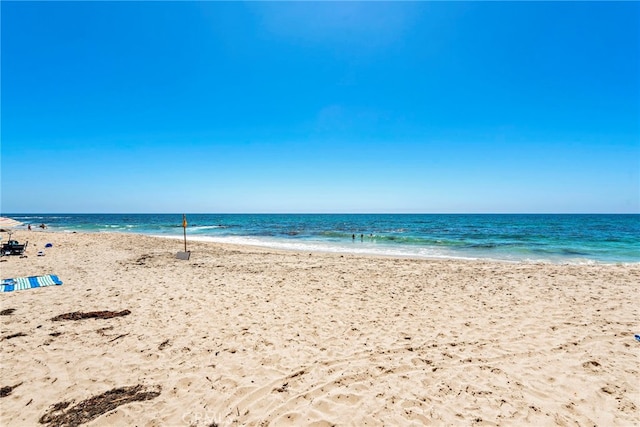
(77, 315)
(61, 414)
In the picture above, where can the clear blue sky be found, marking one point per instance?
(320, 107)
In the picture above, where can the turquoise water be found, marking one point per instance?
(512, 237)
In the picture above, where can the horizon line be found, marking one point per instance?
(319, 213)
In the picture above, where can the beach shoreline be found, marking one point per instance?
(384, 254)
(554, 238)
(246, 335)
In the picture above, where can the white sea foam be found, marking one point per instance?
(205, 227)
(358, 248)
(332, 247)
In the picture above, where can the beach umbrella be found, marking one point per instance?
(7, 224)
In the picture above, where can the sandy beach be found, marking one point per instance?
(253, 336)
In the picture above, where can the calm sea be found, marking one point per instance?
(562, 238)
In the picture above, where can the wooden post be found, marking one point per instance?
(184, 228)
(184, 255)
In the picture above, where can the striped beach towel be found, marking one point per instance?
(20, 283)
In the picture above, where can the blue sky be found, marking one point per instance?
(320, 107)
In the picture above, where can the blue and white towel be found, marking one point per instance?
(20, 283)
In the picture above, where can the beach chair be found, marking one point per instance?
(19, 249)
(7, 248)
(12, 247)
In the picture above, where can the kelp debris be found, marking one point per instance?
(77, 315)
(61, 414)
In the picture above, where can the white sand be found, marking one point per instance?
(250, 336)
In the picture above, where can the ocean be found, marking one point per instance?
(554, 238)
